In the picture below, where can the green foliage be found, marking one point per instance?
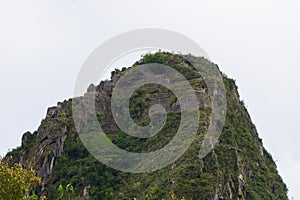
(60, 191)
(16, 182)
(154, 58)
(67, 192)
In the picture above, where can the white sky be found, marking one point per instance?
(44, 43)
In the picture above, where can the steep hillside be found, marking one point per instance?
(238, 168)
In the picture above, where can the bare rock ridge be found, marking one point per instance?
(239, 167)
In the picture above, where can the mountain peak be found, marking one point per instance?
(238, 167)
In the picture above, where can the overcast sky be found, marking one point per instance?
(44, 43)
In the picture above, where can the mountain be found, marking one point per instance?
(239, 167)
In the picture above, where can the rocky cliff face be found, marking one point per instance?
(238, 168)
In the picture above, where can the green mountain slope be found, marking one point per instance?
(238, 168)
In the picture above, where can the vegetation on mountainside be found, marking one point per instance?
(16, 182)
(67, 192)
